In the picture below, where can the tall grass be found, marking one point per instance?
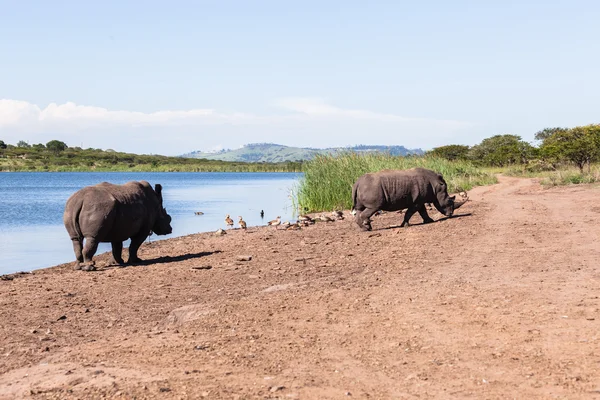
(327, 182)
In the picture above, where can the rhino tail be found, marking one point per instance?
(354, 192)
(74, 221)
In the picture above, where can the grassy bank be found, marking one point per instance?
(79, 160)
(559, 177)
(327, 182)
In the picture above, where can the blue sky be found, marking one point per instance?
(172, 77)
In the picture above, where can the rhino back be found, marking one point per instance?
(396, 189)
(114, 212)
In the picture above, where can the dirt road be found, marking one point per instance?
(501, 302)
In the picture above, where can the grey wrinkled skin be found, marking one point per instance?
(108, 213)
(394, 190)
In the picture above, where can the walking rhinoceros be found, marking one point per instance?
(393, 190)
(114, 213)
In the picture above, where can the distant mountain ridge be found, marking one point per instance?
(270, 152)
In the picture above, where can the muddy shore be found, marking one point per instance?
(500, 302)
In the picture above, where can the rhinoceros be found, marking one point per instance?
(114, 213)
(393, 190)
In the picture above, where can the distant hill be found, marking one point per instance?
(269, 152)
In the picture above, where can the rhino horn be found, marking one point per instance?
(458, 204)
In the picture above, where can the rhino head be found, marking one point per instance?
(452, 205)
(446, 204)
(162, 224)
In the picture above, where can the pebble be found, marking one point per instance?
(203, 267)
(274, 389)
(243, 258)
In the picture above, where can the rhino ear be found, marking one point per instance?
(453, 197)
(158, 190)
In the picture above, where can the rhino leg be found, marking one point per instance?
(364, 218)
(423, 212)
(136, 242)
(409, 213)
(117, 249)
(89, 249)
(78, 247)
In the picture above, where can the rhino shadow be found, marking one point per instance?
(166, 259)
(183, 257)
(422, 223)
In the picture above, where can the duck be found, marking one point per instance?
(220, 232)
(228, 220)
(337, 214)
(275, 222)
(262, 213)
(293, 227)
(286, 224)
(241, 222)
(305, 218)
(325, 218)
(198, 213)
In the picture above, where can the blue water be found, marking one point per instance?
(32, 234)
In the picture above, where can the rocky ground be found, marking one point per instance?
(500, 302)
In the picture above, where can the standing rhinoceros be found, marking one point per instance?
(393, 190)
(114, 213)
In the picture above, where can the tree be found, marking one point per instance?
(24, 144)
(579, 145)
(38, 146)
(547, 132)
(2, 145)
(451, 152)
(502, 150)
(56, 146)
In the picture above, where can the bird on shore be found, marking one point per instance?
(305, 218)
(198, 213)
(228, 220)
(262, 214)
(286, 224)
(325, 218)
(337, 214)
(241, 222)
(293, 227)
(275, 222)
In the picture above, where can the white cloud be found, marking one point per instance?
(309, 122)
(316, 107)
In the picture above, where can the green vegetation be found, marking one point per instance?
(327, 182)
(562, 176)
(562, 156)
(56, 156)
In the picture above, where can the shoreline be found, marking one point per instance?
(425, 311)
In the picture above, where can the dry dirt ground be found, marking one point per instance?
(501, 302)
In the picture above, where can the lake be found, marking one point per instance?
(32, 234)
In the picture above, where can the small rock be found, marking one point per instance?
(164, 389)
(34, 331)
(274, 389)
(62, 318)
(243, 258)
